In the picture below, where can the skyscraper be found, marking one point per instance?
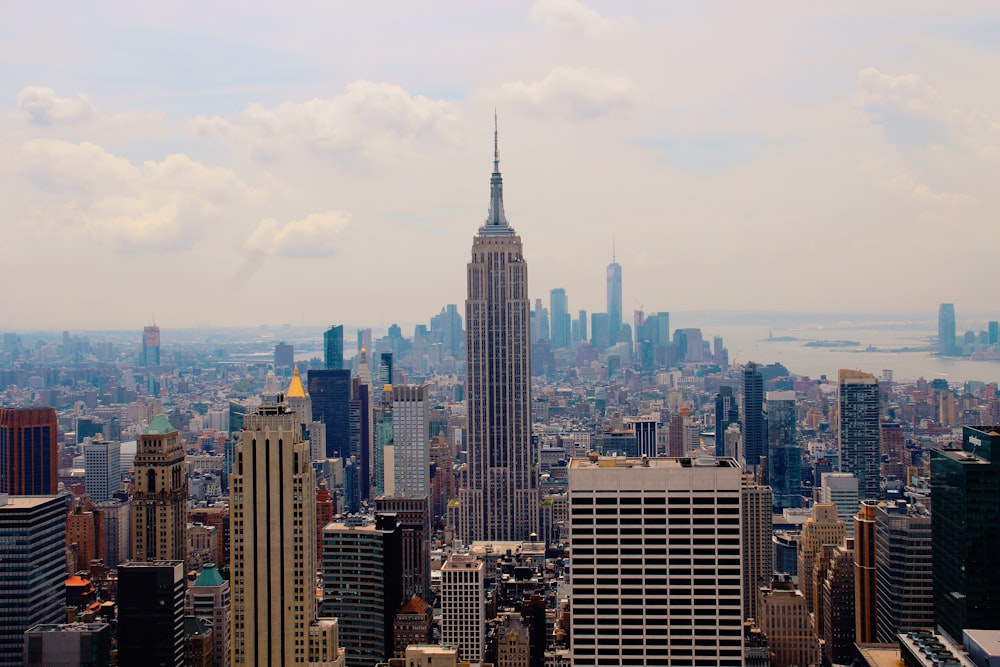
(151, 613)
(208, 598)
(756, 506)
(903, 570)
(676, 596)
(965, 485)
(501, 501)
(411, 437)
(151, 345)
(29, 454)
(614, 299)
(946, 330)
(102, 467)
(463, 605)
(272, 496)
(330, 392)
(784, 458)
(753, 431)
(726, 412)
(859, 435)
(33, 558)
(333, 347)
(159, 513)
(560, 320)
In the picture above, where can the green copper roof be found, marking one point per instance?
(209, 577)
(159, 426)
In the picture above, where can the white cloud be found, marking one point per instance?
(165, 205)
(314, 236)
(570, 16)
(373, 121)
(572, 93)
(44, 107)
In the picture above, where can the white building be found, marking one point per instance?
(841, 488)
(102, 463)
(655, 561)
(463, 605)
(411, 441)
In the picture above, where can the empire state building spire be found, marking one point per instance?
(496, 221)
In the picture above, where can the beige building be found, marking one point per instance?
(272, 492)
(513, 645)
(756, 506)
(159, 503)
(463, 605)
(784, 617)
(822, 528)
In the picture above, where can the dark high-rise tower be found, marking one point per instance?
(151, 345)
(501, 500)
(784, 458)
(29, 456)
(946, 330)
(330, 390)
(859, 434)
(614, 299)
(151, 613)
(726, 412)
(753, 431)
(559, 316)
(333, 347)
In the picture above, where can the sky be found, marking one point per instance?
(245, 163)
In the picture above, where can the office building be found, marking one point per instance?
(385, 369)
(32, 568)
(841, 489)
(362, 430)
(272, 499)
(582, 326)
(822, 529)
(501, 499)
(614, 299)
(783, 615)
(858, 434)
(413, 625)
(333, 348)
(894, 455)
(362, 586)
(117, 518)
(864, 574)
(966, 532)
(784, 458)
(837, 607)
(904, 581)
(411, 439)
(756, 505)
(102, 466)
(284, 355)
(29, 453)
(151, 613)
(463, 605)
(753, 431)
(208, 598)
(600, 326)
(71, 644)
(151, 345)
(159, 502)
(560, 319)
(330, 393)
(993, 333)
(946, 330)
(646, 428)
(414, 526)
(727, 412)
(656, 561)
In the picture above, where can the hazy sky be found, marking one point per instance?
(239, 163)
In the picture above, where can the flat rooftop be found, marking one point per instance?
(581, 463)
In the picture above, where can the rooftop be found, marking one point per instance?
(159, 426)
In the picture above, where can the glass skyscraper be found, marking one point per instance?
(859, 435)
(784, 459)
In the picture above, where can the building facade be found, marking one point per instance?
(29, 452)
(501, 499)
(159, 503)
(102, 466)
(756, 503)
(859, 435)
(903, 570)
(411, 439)
(151, 613)
(463, 605)
(784, 458)
(753, 430)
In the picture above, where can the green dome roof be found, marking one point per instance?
(209, 576)
(159, 426)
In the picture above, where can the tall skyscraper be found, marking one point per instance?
(330, 392)
(666, 532)
(965, 485)
(333, 347)
(151, 613)
(501, 501)
(903, 570)
(560, 320)
(753, 431)
(33, 566)
(29, 452)
(272, 496)
(102, 466)
(614, 299)
(784, 458)
(151, 345)
(727, 412)
(582, 326)
(859, 435)
(822, 529)
(756, 505)
(946, 330)
(463, 605)
(284, 355)
(864, 573)
(411, 437)
(414, 526)
(159, 504)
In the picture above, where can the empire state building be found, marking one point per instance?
(501, 500)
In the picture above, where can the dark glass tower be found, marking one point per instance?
(330, 391)
(726, 412)
(753, 430)
(784, 459)
(501, 500)
(946, 330)
(29, 455)
(333, 347)
(859, 434)
(151, 614)
(965, 529)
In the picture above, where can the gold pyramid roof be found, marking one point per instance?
(295, 388)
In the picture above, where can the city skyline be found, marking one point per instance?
(715, 145)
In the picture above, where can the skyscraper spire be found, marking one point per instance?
(496, 221)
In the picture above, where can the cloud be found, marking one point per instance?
(921, 194)
(44, 107)
(372, 121)
(313, 236)
(572, 93)
(164, 205)
(570, 16)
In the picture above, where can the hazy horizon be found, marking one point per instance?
(224, 166)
